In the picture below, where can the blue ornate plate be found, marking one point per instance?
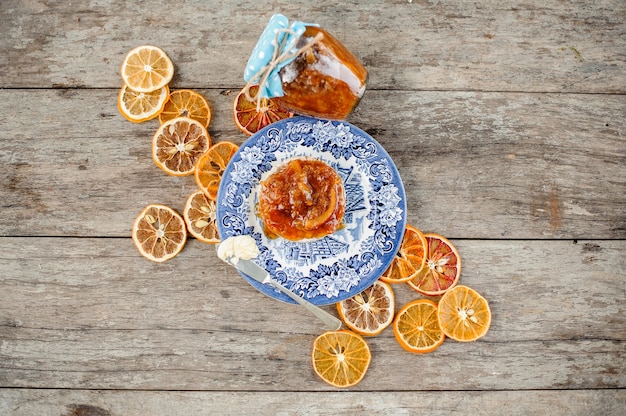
(338, 266)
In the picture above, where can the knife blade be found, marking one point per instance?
(253, 270)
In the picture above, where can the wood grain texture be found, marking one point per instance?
(505, 119)
(72, 317)
(552, 46)
(474, 165)
(26, 402)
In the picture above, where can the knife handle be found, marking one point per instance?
(330, 321)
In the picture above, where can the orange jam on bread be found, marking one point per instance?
(304, 198)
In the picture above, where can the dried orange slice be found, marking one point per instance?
(178, 144)
(370, 311)
(147, 68)
(250, 120)
(341, 358)
(442, 269)
(200, 216)
(211, 165)
(410, 258)
(141, 106)
(464, 315)
(186, 103)
(159, 233)
(416, 327)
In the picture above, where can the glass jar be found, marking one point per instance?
(306, 70)
(326, 80)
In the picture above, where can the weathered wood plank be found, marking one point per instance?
(574, 46)
(474, 165)
(27, 402)
(262, 360)
(72, 317)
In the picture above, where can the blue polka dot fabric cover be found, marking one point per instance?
(264, 50)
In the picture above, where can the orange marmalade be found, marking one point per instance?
(304, 198)
(325, 81)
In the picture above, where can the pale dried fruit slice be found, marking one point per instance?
(211, 166)
(186, 103)
(442, 269)
(409, 260)
(159, 233)
(141, 106)
(249, 118)
(341, 358)
(416, 327)
(464, 315)
(370, 311)
(201, 218)
(147, 68)
(178, 144)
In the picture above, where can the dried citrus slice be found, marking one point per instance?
(410, 258)
(147, 68)
(159, 233)
(249, 119)
(141, 106)
(186, 103)
(178, 144)
(370, 311)
(200, 217)
(341, 358)
(464, 315)
(211, 165)
(416, 327)
(442, 269)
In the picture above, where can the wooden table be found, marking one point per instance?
(506, 121)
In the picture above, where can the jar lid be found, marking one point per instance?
(278, 40)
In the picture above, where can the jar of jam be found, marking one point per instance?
(306, 70)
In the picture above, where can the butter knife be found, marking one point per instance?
(261, 275)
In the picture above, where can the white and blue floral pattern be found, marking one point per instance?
(338, 266)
